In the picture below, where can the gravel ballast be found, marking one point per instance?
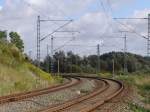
(39, 102)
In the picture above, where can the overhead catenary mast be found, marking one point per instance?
(39, 39)
(148, 37)
(98, 58)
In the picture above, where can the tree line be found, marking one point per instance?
(73, 63)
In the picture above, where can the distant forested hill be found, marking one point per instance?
(71, 62)
(134, 62)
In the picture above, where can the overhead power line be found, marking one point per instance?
(39, 33)
(56, 30)
(33, 7)
(134, 31)
(68, 31)
(79, 45)
(64, 44)
(106, 14)
(110, 7)
(130, 18)
(51, 2)
(103, 7)
(57, 20)
(122, 24)
(148, 38)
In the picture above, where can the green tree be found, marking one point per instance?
(16, 39)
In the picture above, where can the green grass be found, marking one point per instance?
(39, 73)
(136, 108)
(18, 75)
(141, 82)
(145, 92)
(105, 75)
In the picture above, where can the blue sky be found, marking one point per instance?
(128, 10)
(125, 10)
(1, 2)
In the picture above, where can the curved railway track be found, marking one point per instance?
(90, 102)
(105, 90)
(20, 96)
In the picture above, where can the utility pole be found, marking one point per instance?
(76, 59)
(148, 43)
(98, 58)
(125, 51)
(52, 64)
(38, 41)
(58, 69)
(113, 61)
(47, 61)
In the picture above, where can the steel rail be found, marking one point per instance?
(22, 96)
(107, 99)
(79, 99)
(73, 102)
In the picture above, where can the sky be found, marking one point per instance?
(92, 18)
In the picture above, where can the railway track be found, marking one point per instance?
(21, 96)
(36, 103)
(90, 102)
(105, 90)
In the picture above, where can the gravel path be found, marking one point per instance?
(36, 103)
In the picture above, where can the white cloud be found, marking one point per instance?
(19, 16)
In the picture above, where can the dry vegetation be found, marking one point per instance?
(17, 74)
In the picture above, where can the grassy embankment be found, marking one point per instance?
(140, 82)
(18, 75)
